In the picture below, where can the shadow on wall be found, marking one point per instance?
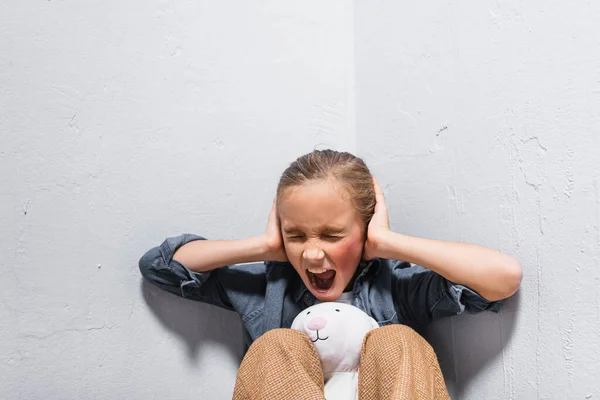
(467, 344)
(196, 323)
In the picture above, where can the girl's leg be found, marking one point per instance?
(281, 364)
(397, 363)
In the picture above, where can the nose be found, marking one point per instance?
(316, 324)
(313, 255)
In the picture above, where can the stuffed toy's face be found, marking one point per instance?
(337, 331)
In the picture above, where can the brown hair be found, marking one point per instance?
(342, 167)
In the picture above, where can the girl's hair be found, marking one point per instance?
(341, 167)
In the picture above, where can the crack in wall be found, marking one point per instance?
(32, 335)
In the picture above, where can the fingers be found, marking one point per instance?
(274, 219)
(378, 192)
(274, 213)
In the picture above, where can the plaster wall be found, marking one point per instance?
(122, 123)
(482, 120)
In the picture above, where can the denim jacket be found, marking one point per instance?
(269, 295)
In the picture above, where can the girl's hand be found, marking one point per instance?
(379, 226)
(273, 240)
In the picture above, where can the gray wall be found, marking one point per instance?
(483, 121)
(123, 124)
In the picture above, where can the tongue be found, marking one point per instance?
(325, 275)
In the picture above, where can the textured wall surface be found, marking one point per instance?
(124, 123)
(483, 121)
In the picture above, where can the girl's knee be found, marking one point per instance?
(395, 337)
(393, 329)
(273, 334)
(398, 330)
(280, 337)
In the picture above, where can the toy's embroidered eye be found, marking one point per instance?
(337, 310)
(308, 313)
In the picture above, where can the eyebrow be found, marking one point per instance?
(325, 230)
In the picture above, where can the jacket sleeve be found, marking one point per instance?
(158, 267)
(423, 296)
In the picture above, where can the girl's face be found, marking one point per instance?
(323, 237)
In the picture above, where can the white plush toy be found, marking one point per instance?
(337, 331)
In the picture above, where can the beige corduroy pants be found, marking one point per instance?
(395, 363)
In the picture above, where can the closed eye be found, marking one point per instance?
(295, 237)
(332, 238)
(337, 310)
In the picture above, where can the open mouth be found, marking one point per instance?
(321, 279)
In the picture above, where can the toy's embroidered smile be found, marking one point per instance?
(318, 338)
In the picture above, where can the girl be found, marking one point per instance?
(328, 239)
